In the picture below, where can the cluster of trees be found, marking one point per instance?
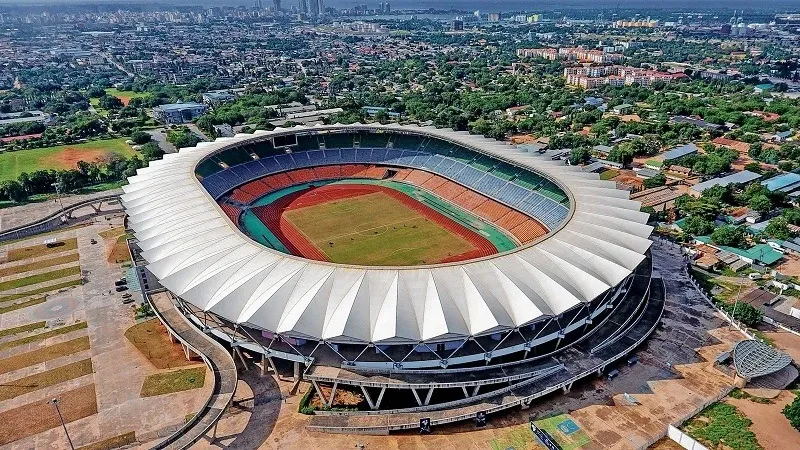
(714, 161)
(87, 174)
(182, 137)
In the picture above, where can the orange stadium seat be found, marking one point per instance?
(418, 177)
(511, 220)
(491, 210)
(528, 231)
(434, 182)
(449, 190)
(469, 200)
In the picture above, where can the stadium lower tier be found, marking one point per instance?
(259, 207)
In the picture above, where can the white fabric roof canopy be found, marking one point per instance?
(201, 256)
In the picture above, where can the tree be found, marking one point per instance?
(110, 102)
(792, 412)
(778, 228)
(730, 236)
(182, 137)
(151, 151)
(655, 181)
(792, 215)
(13, 190)
(760, 203)
(579, 155)
(698, 226)
(140, 137)
(744, 312)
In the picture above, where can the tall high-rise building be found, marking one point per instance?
(320, 6)
(387, 8)
(313, 7)
(277, 4)
(258, 4)
(302, 5)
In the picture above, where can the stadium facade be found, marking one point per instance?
(582, 283)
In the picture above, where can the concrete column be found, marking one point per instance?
(428, 397)
(319, 392)
(416, 397)
(333, 394)
(296, 374)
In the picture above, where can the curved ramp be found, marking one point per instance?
(216, 358)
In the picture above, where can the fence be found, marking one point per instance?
(684, 440)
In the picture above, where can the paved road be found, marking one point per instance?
(159, 135)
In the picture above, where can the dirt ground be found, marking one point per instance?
(785, 341)
(343, 398)
(771, 428)
(68, 158)
(790, 265)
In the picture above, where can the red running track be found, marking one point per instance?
(272, 216)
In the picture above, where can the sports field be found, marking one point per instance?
(12, 164)
(376, 229)
(125, 96)
(366, 224)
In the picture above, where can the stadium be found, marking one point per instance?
(427, 270)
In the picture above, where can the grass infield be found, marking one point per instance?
(25, 304)
(375, 229)
(175, 381)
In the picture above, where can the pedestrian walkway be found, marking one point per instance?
(218, 360)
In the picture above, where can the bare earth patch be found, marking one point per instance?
(152, 340)
(771, 427)
(112, 443)
(40, 416)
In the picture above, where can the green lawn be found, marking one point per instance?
(40, 278)
(45, 379)
(22, 329)
(12, 164)
(175, 381)
(4, 298)
(722, 423)
(125, 96)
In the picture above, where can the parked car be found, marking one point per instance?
(120, 283)
(121, 288)
(127, 300)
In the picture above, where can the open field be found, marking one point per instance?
(42, 336)
(175, 381)
(125, 96)
(12, 164)
(152, 340)
(41, 355)
(33, 251)
(375, 229)
(45, 379)
(36, 417)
